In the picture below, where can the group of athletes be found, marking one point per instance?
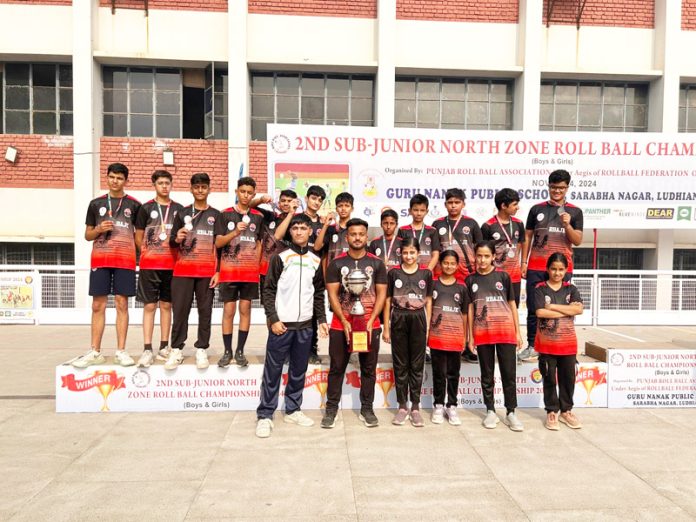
(440, 293)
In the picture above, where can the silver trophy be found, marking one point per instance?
(356, 282)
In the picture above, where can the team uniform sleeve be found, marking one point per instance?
(486, 231)
(468, 283)
(577, 221)
(436, 241)
(476, 233)
(539, 298)
(508, 286)
(466, 299)
(530, 218)
(91, 218)
(136, 210)
(575, 296)
(333, 274)
(390, 283)
(520, 227)
(372, 247)
(141, 218)
(221, 225)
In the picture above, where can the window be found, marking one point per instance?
(593, 106)
(216, 102)
(142, 101)
(453, 103)
(687, 108)
(36, 98)
(684, 259)
(316, 99)
(609, 258)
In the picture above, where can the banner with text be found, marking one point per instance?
(20, 297)
(620, 180)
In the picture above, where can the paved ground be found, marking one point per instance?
(623, 465)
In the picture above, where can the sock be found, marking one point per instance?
(241, 340)
(227, 341)
(148, 346)
(163, 345)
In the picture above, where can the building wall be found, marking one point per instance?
(610, 13)
(42, 161)
(342, 8)
(258, 164)
(183, 5)
(688, 15)
(497, 11)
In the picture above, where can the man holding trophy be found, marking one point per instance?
(356, 282)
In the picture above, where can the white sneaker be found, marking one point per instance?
(491, 420)
(438, 415)
(146, 359)
(202, 359)
(264, 427)
(121, 357)
(452, 416)
(513, 422)
(163, 354)
(88, 359)
(298, 418)
(176, 357)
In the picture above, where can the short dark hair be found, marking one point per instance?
(246, 180)
(161, 174)
(450, 253)
(557, 257)
(419, 199)
(345, 197)
(505, 196)
(200, 178)
(490, 245)
(316, 190)
(117, 168)
(559, 176)
(300, 219)
(288, 193)
(455, 193)
(390, 212)
(357, 222)
(410, 241)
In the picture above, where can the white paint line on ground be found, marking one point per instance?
(619, 334)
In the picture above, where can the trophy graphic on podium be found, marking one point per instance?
(356, 282)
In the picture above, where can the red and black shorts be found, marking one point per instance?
(154, 286)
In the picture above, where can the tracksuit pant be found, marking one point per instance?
(446, 366)
(558, 371)
(183, 290)
(408, 337)
(507, 362)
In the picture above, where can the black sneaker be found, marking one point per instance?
(314, 358)
(428, 359)
(329, 420)
(240, 358)
(469, 356)
(225, 360)
(369, 418)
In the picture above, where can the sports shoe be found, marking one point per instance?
(88, 359)
(469, 357)
(299, 418)
(264, 427)
(225, 360)
(146, 359)
(569, 419)
(491, 420)
(240, 358)
(513, 422)
(202, 359)
(453, 416)
(417, 419)
(438, 415)
(551, 421)
(121, 357)
(314, 358)
(176, 357)
(329, 420)
(400, 417)
(529, 354)
(163, 353)
(369, 418)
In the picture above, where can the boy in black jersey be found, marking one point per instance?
(388, 246)
(427, 236)
(332, 238)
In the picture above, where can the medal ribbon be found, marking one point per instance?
(118, 209)
(387, 253)
(165, 217)
(507, 236)
(452, 230)
(419, 237)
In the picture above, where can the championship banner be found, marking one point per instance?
(114, 388)
(619, 180)
(20, 297)
(652, 379)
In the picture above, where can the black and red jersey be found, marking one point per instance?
(335, 242)
(269, 244)
(427, 239)
(239, 259)
(556, 336)
(409, 291)
(340, 267)
(460, 235)
(388, 250)
(507, 238)
(490, 294)
(197, 255)
(156, 221)
(316, 226)
(450, 306)
(115, 248)
(549, 233)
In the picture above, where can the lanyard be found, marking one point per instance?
(507, 236)
(164, 217)
(451, 230)
(420, 236)
(387, 253)
(118, 209)
(194, 214)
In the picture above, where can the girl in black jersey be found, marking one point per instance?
(406, 315)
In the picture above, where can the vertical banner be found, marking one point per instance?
(20, 297)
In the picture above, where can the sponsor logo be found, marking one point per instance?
(684, 214)
(616, 359)
(474, 287)
(280, 144)
(272, 225)
(421, 284)
(230, 225)
(369, 270)
(496, 236)
(457, 297)
(398, 283)
(127, 212)
(154, 214)
(499, 285)
(660, 213)
(540, 216)
(466, 230)
(345, 270)
(547, 299)
(378, 251)
(211, 220)
(102, 211)
(140, 379)
(252, 227)
(427, 241)
(334, 238)
(435, 294)
(442, 231)
(536, 376)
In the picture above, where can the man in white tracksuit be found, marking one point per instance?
(293, 292)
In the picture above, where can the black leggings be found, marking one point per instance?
(408, 329)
